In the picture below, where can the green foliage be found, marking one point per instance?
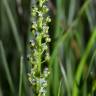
(72, 62)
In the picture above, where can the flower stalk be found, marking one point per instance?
(38, 48)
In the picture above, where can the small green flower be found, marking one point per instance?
(48, 39)
(44, 9)
(48, 19)
(34, 11)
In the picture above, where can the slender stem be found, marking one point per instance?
(21, 72)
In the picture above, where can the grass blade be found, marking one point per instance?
(91, 64)
(83, 61)
(72, 10)
(65, 79)
(5, 64)
(21, 75)
(13, 25)
(59, 91)
(1, 94)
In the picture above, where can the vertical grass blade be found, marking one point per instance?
(1, 94)
(65, 79)
(83, 61)
(91, 64)
(59, 90)
(55, 72)
(21, 75)
(5, 64)
(72, 9)
(13, 25)
(58, 18)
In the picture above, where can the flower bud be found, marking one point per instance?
(45, 29)
(34, 26)
(45, 47)
(32, 43)
(45, 9)
(47, 57)
(48, 39)
(34, 11)
(48, 19)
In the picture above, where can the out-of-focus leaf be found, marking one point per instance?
(13, 25)
(5, 64)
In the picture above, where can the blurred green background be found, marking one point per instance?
(73, 47)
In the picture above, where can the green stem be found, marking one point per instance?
(39, 53)
(21, 72)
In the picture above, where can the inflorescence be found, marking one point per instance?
(38, 46)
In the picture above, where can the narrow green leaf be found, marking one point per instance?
(65, 79)
(83, 61)
(72, 9)
(5, 64)
(13, 25)
(21, 75)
